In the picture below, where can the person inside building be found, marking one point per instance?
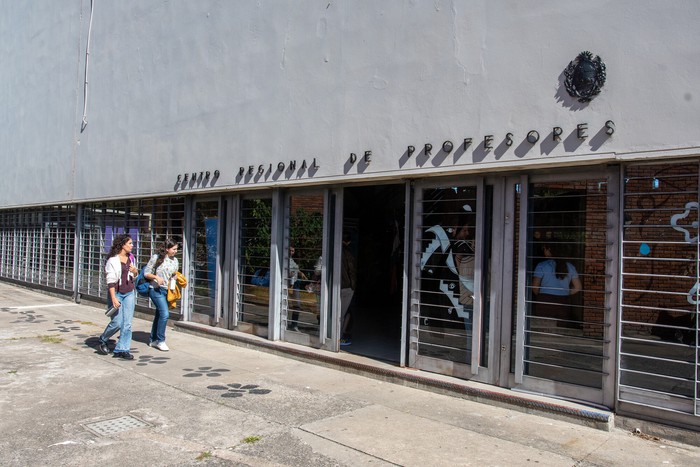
(554, 282)
(160, 270)
(463, 251)
(120, 273)
(296, 276)
(348, 280)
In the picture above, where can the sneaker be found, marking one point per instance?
(162, 346)
(345, 341)
(152, 343)
(294, 328)
(102, 349)
(123, 355)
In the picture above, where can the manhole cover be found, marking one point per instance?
(115, 425)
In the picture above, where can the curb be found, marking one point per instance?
(532, 404)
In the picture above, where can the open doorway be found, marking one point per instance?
(373, 232)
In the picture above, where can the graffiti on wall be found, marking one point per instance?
(693, 298)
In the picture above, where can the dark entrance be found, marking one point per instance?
(373, 227)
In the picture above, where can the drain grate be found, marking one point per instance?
(116, 425)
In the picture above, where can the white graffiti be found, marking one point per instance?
(693, 294)
(692, 205)
(676, 217)
(442, 242)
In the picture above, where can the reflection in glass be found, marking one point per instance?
(447, 263)
(566, 301)
(304, 264)
(205, 257)
(254, 264)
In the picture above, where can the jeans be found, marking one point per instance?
(468, 321)
(345, 300)
(121, 322)
(295, 304)
(159, 297)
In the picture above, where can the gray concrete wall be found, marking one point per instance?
(177, 87)
(39, 87)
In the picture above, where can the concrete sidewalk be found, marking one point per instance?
(210, 403)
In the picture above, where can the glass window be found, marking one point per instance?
(254, 265)
(205, 259)
(304, 264)
(567, 313)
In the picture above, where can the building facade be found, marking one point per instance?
(494, 191)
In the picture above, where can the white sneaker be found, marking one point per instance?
(152, 343)
(162, 346)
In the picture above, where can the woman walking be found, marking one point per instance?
(120, 274)
(160, 270)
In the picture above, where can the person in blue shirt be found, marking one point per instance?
(553, 283)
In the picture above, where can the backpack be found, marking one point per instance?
(142, 284)
(261, 277)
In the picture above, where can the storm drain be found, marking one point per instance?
(116, 425)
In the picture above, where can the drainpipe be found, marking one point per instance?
(77, 244)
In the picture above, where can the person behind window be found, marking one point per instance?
(348, 278)
(314, 285)
(463, 250)
(295, 284)
(553, 283)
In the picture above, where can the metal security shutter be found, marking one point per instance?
(659, 301)
(157, 220)
(148, 222)
(37, 245)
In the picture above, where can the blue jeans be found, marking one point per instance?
(159, 297)
(468, 321)
(121, 322)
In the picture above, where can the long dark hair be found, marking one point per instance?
(117, 244)
(167, 244)
(561, 269)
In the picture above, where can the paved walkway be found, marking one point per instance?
(211, 403)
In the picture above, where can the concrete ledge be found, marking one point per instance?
(479, 392)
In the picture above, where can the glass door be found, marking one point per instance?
(565, 299)
(253, 282)
(205, 264)
(303, 295)
(449, 324)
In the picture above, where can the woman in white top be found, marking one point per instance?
(160, 270)
(120, 274)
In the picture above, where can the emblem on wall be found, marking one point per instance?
(585, 75)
